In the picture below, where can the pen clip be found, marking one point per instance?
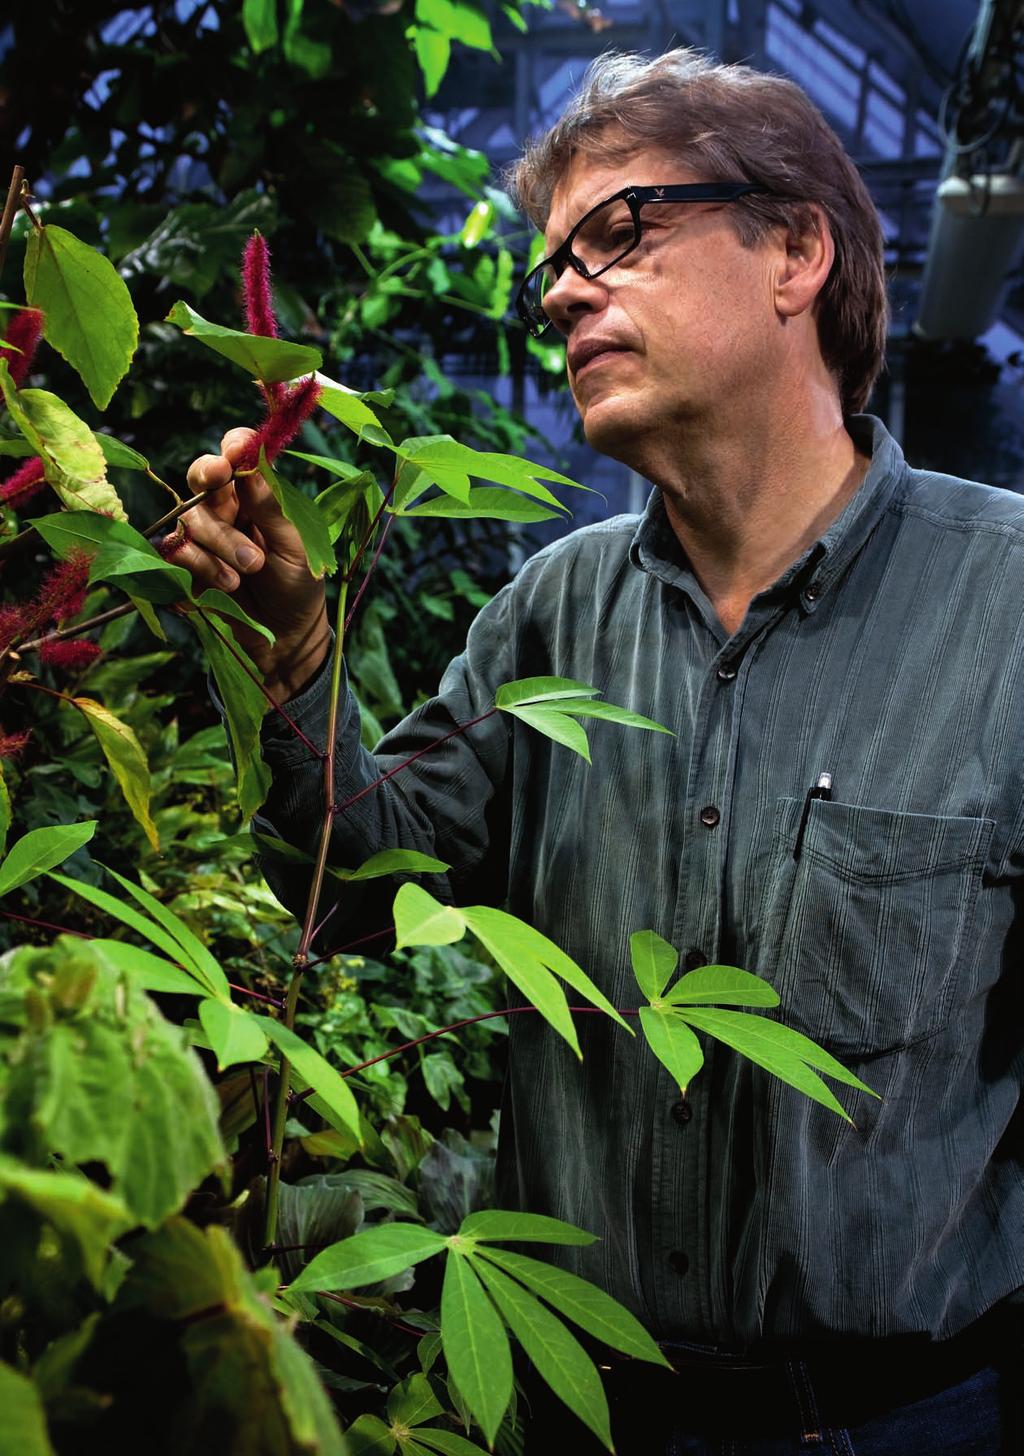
(821, 789)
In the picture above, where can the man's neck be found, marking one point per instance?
(746, 506)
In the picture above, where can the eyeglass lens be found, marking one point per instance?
(602, 239)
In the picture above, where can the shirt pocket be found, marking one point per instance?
(862, 936)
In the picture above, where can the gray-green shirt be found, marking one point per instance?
(890, 656)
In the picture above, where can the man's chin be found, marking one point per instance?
(612, 427)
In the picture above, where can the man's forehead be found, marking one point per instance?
(589, 179)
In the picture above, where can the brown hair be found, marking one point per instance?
(730, 122)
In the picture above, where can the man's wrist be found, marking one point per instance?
(291, 669)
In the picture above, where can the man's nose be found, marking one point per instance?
(572, 295)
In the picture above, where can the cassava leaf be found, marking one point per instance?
(88, 311)
(325, 1080)
(149, 971)
(495, 1224)
(540, 690)
(475, 1345)
(129, 916)
(365, 1258)
(722, 986)
(546, 719)
(190, 949)
(393, 862)
(235, 1035)
(482, 503)
(673, 1043)
(654, 961)
(422, 920)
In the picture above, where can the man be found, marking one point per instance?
(795, 603)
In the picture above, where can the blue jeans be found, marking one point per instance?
(792, 1410)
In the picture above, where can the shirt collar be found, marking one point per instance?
(655, 547)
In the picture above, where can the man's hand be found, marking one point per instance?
(240, 542)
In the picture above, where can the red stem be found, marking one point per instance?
(45, 925)
(369, 572)
(462, 728)
(366, 1309)
(256, 995)
(377, 935)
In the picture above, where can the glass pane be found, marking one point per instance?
(605, 236)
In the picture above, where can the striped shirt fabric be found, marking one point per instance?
(891, 656)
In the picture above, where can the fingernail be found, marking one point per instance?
(247, 556)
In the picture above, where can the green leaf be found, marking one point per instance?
(595, 709)
(341, 468)
(583, 1303)
(475, 1345)
(447, 1442)
(272, 360)
(131, 917)
(394, 862)
(244, 708)
(306, 518)
(91, 1218)
(16, 449)
(422, 920)
(477, 224)
(90, 318)
(325, 1080)
(127, 759)
(23, 1427)
(148, 970)
(235, 1035)
(366, 1258)
(72, 461)
(723, 985)
(5, 810)
(557, 1355)
(413, 1402)
(259, 18)
(654, 961)
(497, 928)
(788, 1054)
(554, 725)
(39, 850)
(214, 600)
(312, 1215)
(346, 405)
(121, 554)
(433, 52)
(495, 1224)
(535, 981)
(539, 690)
(116, 452)
(434, 452)
(369, 1436)
(190, 948)
(482, 503)
(673, 1043)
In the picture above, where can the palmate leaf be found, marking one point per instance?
(434, 453)
(557, 726)
(475, 1345)
(422, 920)
(722, 986)
(127, 759)
(272, 360)
(76, 287)
(73, 462)
(244, 707)
(351, 409)
(190, 949)
(413, 1402)
(583, 1303)
(673, 1043)
(218, 602)
(540, 690)
(235, 1035)
(336, 1101)
(393, 862)
(39, 850)
(557, 1355)
(147, 970)
(431, 1438)
(498, 1226)
(654, 960)
(365, 1258)
(482, 503)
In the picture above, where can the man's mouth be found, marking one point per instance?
(592, 354)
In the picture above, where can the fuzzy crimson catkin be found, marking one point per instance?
(27, 481)
(23, 331)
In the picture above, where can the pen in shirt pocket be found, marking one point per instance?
(821, 789)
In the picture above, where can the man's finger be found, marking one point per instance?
(235, 441)
(209, 472)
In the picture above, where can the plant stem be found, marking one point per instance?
(61, 634)
(300, 960)
(278, 708)
(462, 727)
(369, 572)
(10, 211)
(46, 925)
(172, 515)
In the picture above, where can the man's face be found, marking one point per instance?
(683, 323)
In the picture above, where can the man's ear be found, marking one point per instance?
(809, 254)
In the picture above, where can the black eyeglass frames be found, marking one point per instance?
(606, 234)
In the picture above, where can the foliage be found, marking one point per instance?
(222, 1204)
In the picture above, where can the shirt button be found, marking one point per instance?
(726, 672)
(682, 1111)
(709, 816)
(813, 592)
(694, 958)
(679, 1261)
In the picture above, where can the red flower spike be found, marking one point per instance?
(279, 429)
(24, 331)
(13, 623)
(27, 481)
(62, 592)
(71, 656)
(256, 293)
(11, 744)
(168, 546)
